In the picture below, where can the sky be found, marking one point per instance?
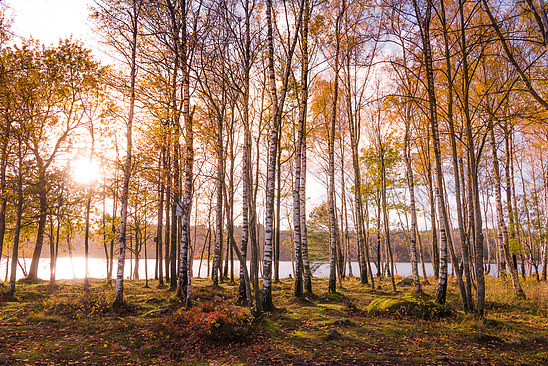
(50, 20)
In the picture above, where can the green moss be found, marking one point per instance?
(337, 297)
(302, 335)
(270, 326)
(408, 306)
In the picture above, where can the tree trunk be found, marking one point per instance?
(467, 295)
(304, 240)
(145, 249)
(168, 204)
(277, 107)
(421, 255)
(363, 247)
(502, 229)
(345, 236)
(301, 136)
(379, 240)
(424, 25)
(545, 257)
(3, 198)
(54, 248)
(473, 167)
(119, 295)
(160, 225)
(86, 242)
(411, 187)
(441, 292)
(219, 210)
(175, 222)
(333, 232)
(113, 229)
(343, 239)
(228, 198)
(17, 230)
(276, 248)
(385, 220)
(104, 228)
(185, 269)
(175, 120)
(138, 244)
(434, 224)
(247, 202)
(42, 199)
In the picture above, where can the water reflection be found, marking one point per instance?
(68, 268)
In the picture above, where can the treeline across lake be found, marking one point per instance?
(203, 258)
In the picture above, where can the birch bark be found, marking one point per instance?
(134, 15)
(277, 107)
(301, 133)
(333, 232)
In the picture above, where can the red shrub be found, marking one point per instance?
(205, 324)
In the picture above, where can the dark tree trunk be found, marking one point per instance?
(333, 231)
(17, 230)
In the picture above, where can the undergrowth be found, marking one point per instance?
(205, 324)
(66, 325)
(90, 305)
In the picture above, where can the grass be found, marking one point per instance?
(67, 325)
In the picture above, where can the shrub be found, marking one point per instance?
(205, 324)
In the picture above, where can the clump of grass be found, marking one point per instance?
(471, 322)
(336, 298)
(500, 290)
(90, 304)
(537, 293)
(31, 281)
(207, 293)
(43, 318)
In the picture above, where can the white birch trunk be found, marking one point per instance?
(185, 268)
(277, 106)
(304, 241)
(298, 186)
(119, 294)
(424, 25)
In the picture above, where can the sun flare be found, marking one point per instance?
(85, 171)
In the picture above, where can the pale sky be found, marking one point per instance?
(50, 20)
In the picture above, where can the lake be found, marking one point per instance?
(75, 268)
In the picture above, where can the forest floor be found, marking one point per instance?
(66, 325)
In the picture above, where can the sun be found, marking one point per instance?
(85, 171)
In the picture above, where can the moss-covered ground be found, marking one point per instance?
(67, 325)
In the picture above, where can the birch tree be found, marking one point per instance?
(276, 115)
(301, 136)
(424, 27)
(334, 232)
(123, 17)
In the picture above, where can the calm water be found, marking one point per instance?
(75, 268)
